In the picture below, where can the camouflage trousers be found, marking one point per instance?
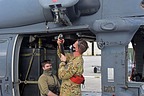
(70, 89)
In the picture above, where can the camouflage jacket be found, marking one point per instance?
(74, 66)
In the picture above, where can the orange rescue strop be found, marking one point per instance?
(78, 79)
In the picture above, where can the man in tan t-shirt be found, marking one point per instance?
(48, 83)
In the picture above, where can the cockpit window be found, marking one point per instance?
(3, 53)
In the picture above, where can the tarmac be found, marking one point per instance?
(92, 86)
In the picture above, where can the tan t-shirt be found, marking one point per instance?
(46, 80)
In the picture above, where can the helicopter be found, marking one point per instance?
(29, 30)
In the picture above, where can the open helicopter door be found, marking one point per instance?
(7, 43)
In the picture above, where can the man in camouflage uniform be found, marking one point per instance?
(48, 83)
(71, 65)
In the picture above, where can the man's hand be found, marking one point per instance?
(60, 41)
(63, 58)
(50, 93)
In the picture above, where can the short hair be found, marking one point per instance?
(43, 63)
(82, 45)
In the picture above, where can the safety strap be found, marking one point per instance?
(55, 80)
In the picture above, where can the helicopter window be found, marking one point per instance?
(88, 7)
(142, 4)
(3, 52)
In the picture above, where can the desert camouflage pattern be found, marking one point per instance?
(74, 66)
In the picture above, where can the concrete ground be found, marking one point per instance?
(92, 85)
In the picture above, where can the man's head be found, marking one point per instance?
(46, 65)
(80, 45)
